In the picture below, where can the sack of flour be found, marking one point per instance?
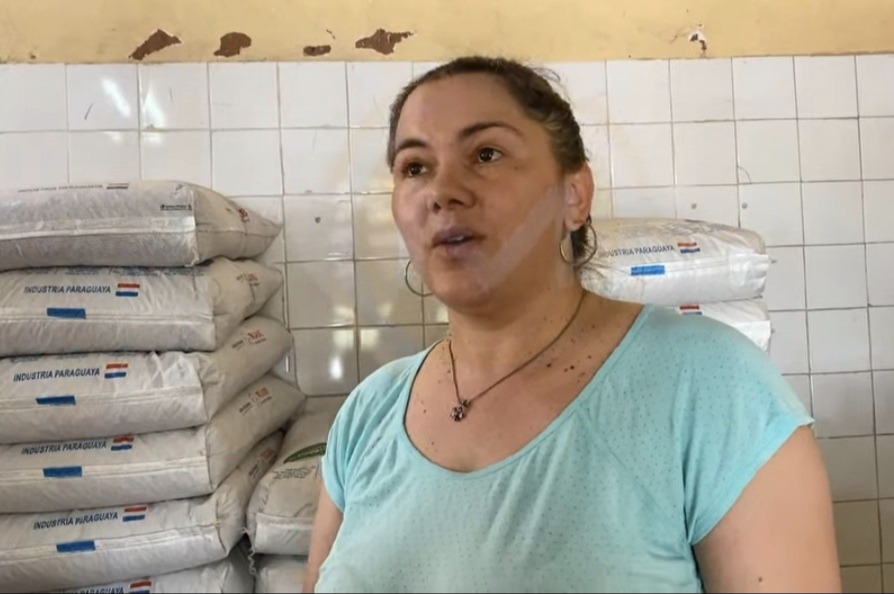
(230, 575)
(748, 316)
(73, 549)
(74, 396)
(76, 310)
(279, 573)
(281, 511)
(675, 261)
(144, 223)
(126, 469)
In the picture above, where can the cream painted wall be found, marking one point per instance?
(85, 31)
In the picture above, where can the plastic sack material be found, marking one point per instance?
(95, 546)
(675, 261)
(749, 316)
(230, 575)
(281, 511)
(59, 397)
(150, 467)
(145, 223)
(47, 311)
(280, 574)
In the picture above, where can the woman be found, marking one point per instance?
(556, 440)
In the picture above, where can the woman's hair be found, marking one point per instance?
(533, 92)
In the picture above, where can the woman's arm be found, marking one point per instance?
(326, 525)
(779, 536)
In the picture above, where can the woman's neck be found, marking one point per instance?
(488, 344)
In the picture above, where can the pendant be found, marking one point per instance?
(459, 411)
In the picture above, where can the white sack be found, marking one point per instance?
(143, 468)
(675, 261)
(281, 512)
(145, 223)
(749, 316)
(59, 397)
(230, 575)
(95, 546)
(278, 573)
(74, 310)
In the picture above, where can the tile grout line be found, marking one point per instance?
(347, 131)
(877, 465)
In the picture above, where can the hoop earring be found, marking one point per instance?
(409, 285)
(587, 257)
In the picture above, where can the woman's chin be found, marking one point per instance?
(462, 296)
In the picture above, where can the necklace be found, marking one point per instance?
(458, 413)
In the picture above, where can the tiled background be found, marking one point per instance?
(798, 149)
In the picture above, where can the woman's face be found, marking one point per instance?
(478, 195)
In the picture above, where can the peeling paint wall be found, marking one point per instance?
(86, 31)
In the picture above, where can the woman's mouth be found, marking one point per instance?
(455, 240)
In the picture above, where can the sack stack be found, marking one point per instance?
(278, 574)
(229, 575)
(693, 267)
(138, 408)
(281, 511)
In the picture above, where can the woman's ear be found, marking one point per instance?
(579, 190)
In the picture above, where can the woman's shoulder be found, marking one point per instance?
(673, 360)
(693, 338)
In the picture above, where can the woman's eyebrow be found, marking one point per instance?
(463, 134)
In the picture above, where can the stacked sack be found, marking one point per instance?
(280, 514)
(138, 403)
(693, 267)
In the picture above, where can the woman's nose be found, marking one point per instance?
(449, 190)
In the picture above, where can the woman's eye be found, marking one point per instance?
(413, 169)
(488, 155)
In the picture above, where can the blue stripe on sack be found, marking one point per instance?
(126, 294)
(78, 313)
(63, 472)
(116, 374)
(56, 400)
(140, 591)
(649, 270)
(134, 518)
(123, 446)
(76, 546)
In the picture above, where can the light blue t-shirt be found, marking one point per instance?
(611, 496)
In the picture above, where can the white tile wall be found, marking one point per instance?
(174, 96)
(33, 159)
(753, 77)
(833, 213)
(826, 86)
(313, 95)
(102, 97)
(184, 155)
(103, 155)
(711, 203)
(243, 95)
(768, 151)
(39, 100)
(642, 155)
(701, 90)
(584, 84)
(799, 149)
(875, 78)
